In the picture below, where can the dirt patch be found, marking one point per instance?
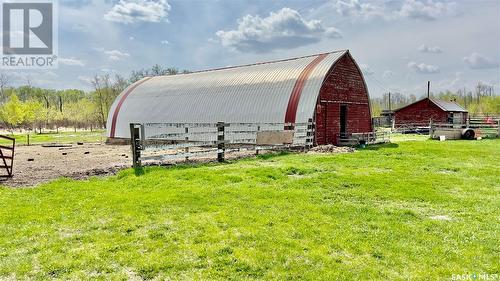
(441, 218)
(76, 161)
(38, 164)
(331, 149)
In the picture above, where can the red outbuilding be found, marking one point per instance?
(421, 112)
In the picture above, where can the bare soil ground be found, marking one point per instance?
(75, 161)
(331, 149)
(37, 164)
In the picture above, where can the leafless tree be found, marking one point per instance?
(156, 70)
(119, 84)
(4, 84)
(106, 91)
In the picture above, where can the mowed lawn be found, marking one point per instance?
(61, 137)
(420, 210)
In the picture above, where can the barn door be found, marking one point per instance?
(331, 121)
(343, 120)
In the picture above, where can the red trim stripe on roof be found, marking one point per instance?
(263, 62)
(120, 103)
(293, 102)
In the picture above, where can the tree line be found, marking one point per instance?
(33, 108)
(480, 101)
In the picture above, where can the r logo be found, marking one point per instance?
(27, 28)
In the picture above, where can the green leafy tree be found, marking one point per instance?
(376, 108)
(87, 114)
(33, 111)
(12, 112)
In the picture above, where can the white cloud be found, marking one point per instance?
(164, 42)
(388, 74)
(451, 83)
(109, 70)
(133, 11)
(71, 61)
(116, 55)
(35, 78)
(479, 61)
(85, 79)
(426, 10)
(390, 10)
(359, 10)
(366, 69)
(131, 38)
(283, 29)
(430, 49)
(423, 68)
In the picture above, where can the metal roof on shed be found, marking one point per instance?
(257, 93)
(444, 105)
(448, 105)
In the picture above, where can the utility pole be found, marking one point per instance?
(390, 107)
(465, 97)
(428, 89)
(428, 92)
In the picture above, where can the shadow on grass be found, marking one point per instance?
(139, 171)
(173, 166)
(380, 146)
(270, 155)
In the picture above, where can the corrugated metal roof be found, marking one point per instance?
(256, 93)
(444, 105)
(448, 105)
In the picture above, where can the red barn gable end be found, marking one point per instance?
(425, 110)
(344, 86)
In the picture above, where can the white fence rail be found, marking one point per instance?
(160, 142)
(364, 138)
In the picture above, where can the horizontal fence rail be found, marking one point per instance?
(480, 129)
(158, 142)
(364, 138)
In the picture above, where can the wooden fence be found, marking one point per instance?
(363, 138)
(160, 142)
(488, 126)
(7, 156)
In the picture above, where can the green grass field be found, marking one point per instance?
(61, 137)
(419, 210)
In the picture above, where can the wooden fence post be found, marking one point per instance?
(498, 129)
(135, 143)
(256, 146)
(431, 133)
(186, 138)
(310, 134)
(221, 148)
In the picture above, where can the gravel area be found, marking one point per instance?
(331, 149)
(36, 164)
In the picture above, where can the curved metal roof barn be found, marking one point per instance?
(284, 91)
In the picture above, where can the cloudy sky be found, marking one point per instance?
(399, 44)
